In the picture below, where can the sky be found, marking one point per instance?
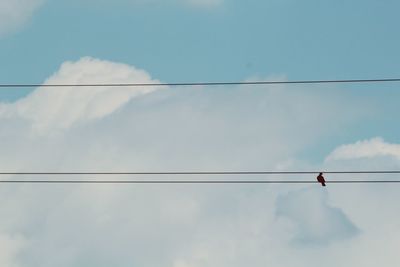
(228, 128)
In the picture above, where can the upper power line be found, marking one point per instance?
(203, 83)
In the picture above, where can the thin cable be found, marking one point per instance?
(203, 83)
(205, 173)
(43, 181)
(191, 181)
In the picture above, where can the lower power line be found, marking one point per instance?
(194, 181)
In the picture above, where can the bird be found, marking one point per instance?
(321, 179)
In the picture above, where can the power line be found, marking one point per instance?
(206, 173)
(44, 181)
(193, 181)
(204, 83)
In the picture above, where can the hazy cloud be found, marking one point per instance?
(13, 13)
(10, 248)
(203, 3)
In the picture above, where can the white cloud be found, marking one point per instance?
(232, 128)
(59, 108)
(316, 222)
(13, 13)
(375, 147)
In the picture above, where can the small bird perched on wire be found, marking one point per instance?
(321, 179)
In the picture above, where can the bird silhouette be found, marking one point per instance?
(321, 179)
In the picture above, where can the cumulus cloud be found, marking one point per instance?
(375, 147)
(232, 128)
(13, 13)
(315, 221)
(59, 108)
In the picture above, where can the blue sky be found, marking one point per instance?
(232, 40)
(303, 127)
